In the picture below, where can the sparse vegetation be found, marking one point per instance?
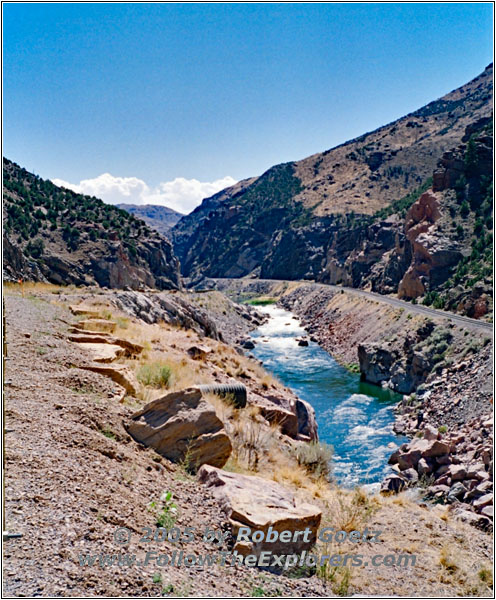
(155, 374)
(108, 433)
(401, 206)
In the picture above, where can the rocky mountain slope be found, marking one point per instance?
(160, 218)
(303, 219)
(53, 234)
(435, 245)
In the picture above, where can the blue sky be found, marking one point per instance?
(167, 102)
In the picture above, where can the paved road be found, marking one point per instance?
(473, 324)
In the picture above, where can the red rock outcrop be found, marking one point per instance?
(419, 219)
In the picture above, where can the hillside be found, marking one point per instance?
(160, 218)
(53, 234)
(284, 223)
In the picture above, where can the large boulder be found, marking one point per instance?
(419, 454)
(375, 362)
(285, 419)
(393, 484)
(182, 426)
(259, 504)
(307, 424)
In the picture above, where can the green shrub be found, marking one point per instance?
(167, 514)
(464, 209)
(35, 248)
(261, 301)
(154, 374)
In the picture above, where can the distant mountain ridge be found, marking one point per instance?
(54, 234)
(286, 223)
(160, 218)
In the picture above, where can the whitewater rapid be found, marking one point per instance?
(356, 418)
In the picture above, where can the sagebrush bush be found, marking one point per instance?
(315, 457)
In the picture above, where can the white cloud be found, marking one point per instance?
(180, 194)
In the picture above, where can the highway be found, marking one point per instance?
(460, 320)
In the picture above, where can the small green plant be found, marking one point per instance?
(344, 584)
(257, 592)
(168, 589)
(426, 481)
(155, 375)
(443, 429)
(353, 367)
(122, 322)
(157, 578)
(339, 577)
(108, 433)
(486, 575)
(168, 513)
(187, 466)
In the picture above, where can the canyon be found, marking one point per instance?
(133, 336)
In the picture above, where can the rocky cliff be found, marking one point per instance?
(334, 215)
(442, 251)
(53, 234)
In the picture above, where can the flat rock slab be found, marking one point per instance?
(257, 503)
(80, 309)
(183, 427)
(118, 373)
(97, 325)
(104, 353)
(95, 337)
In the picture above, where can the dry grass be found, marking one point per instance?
(350, 510)
(30, 287)
(448, 560)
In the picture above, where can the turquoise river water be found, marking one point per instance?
(356, 418)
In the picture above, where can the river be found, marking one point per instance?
(356, 418)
